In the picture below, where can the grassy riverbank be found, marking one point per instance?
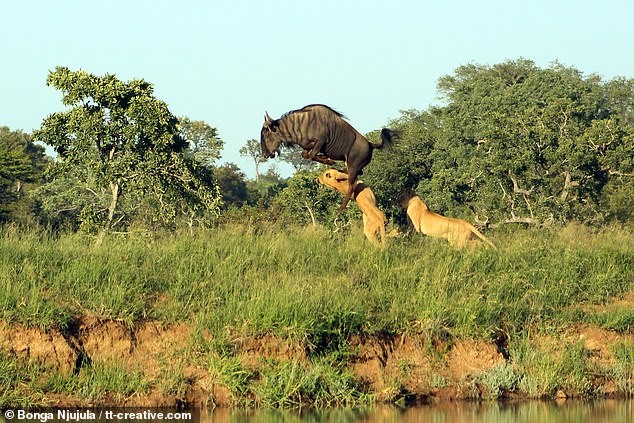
(317, 291)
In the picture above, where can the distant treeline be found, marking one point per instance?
(511, 143)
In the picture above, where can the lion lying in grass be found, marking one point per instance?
(458, 232)
(373, 219)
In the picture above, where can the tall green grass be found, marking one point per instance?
(318, 288)
(13, 375)
(99, 382)
(313, 285)
(623, 371)
(27, 384)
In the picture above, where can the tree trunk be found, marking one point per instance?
(115, 190)
(310, 211)
(257, 170)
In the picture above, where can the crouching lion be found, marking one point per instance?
(458, 232)
(373, 219)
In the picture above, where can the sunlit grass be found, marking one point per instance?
(317, 288)
(312, 284)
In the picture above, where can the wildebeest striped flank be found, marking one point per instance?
(325, 136)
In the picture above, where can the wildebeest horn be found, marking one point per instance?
(267, 118)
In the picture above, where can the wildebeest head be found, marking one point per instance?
(270, 138)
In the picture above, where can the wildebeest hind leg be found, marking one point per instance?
(352, 180)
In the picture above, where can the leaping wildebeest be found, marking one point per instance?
(325, 136)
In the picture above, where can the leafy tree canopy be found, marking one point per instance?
(21, 163)
(232, 184)
(204, 143)
(251, 149)
(119, 136)
(515, 143)
(305, 201)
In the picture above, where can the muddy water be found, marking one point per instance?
(604, 411)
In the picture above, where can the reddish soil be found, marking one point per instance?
(388, 366)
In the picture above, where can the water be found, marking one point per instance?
(604, 411)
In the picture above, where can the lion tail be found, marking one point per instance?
(483, 238)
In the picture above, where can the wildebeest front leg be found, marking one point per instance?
(318, 158)
(317, 146)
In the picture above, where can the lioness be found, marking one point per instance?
(458, 232)
(373, 219)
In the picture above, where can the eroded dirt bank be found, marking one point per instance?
(180, 372)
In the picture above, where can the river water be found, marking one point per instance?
(602, 411)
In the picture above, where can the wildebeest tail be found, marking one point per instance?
(387, 135)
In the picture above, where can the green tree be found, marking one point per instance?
(264, 191)
(233, 186)
(292, 154)
(405, 163)
(68, 203)
(516, 143)
(21, 164)
(252, 150)
(120, 136)
(203, 141)
(305, 202)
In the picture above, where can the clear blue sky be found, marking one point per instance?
(226, 62)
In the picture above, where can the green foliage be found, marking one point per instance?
(232, 184)
(204, 144)
(319, 289)
(21, 167)
(262, 192)
(292, 154)
(292, 384)
(119, 138)
(252, 150)
(539, 371)
(624, 370)
(66, 203)
(512, 143)
(499, 380)
(516, 143)
(311, 284)
(305, 202)
(545, 369)
(97, 381)
(13, 376)
(230, 371)
(575, 369)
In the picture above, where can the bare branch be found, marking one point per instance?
(523, 192)
(60, 211)
(517, 189)
(568, 183)
(617, 173)
(480, 223)
(517, 219)
(93, 192)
